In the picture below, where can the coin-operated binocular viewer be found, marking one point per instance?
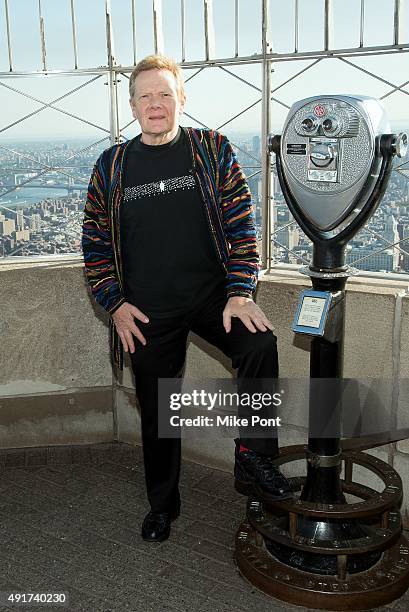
(334, 159)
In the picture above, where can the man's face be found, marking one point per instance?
(156, 103)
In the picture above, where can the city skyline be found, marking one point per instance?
(58, 119)
(41, 220)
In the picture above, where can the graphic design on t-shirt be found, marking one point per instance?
(159, 187)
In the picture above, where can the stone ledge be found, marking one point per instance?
(366, 282)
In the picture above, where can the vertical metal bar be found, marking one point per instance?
(157, 26)
(399, 20)
(293, 524)
(362, 24)
(328, 25)
(296, 25)
(133, 32)
(236, 28)
(42, 37)
(183, 27)
(385, 519)
(348, 470)
(6, 7)
(396, 366)
(74, 34)
(209, 30)
(267, 220)
(112, 77)
(341, 566)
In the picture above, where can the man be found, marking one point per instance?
(170, 247)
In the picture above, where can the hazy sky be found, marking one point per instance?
(213, 96)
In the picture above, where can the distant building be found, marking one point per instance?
(275, 186)
(289, 237)
(256, 145)
(8, 245)
(19, 219)
(387, 260)
(22, 235)
(391, 233)
(35, 222)
(283, 213)
(7, 227)
(405, 247)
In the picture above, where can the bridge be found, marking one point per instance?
(68, 187)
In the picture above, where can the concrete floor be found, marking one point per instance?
(70, 523)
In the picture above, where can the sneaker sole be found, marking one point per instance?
(244, 488)
(248, 488)
(258, 492)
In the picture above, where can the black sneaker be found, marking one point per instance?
(252, 471)
(156, 525)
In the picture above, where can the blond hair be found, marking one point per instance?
(158, 62)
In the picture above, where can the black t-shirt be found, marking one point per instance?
(169, 260)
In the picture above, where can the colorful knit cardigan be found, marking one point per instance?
(230, 214)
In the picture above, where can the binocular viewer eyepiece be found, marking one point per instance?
(334, 159)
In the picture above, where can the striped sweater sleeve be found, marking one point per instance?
(97, 248)
(239, 224)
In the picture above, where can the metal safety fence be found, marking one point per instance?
(278, 53)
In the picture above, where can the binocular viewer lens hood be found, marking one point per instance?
(334, 158)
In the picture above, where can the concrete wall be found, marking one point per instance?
(56, 384)
(55, 375)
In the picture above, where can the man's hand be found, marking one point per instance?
(125, 325)
(248, 312)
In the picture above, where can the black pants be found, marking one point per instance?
(253, 354)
